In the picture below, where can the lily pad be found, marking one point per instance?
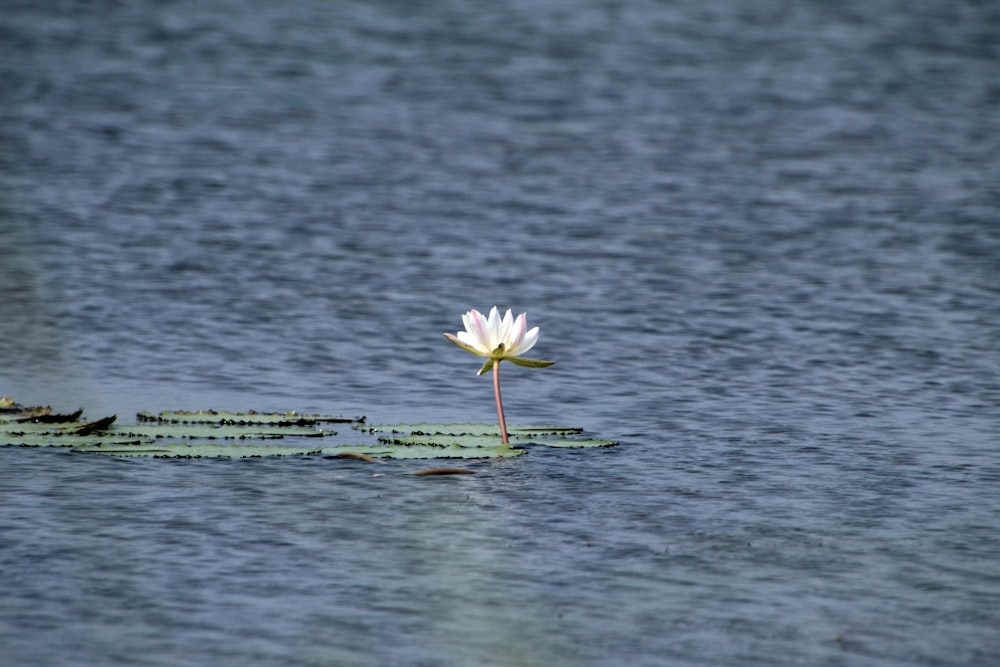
(45, 416)
(176, 450)
(440, 452)
(571, 443)
(469, 429)
(249, 417)
(37, 433)
(11, 409)
(493, 441)
(483, 435)
(49, 440)
(197, 434)
(220, 431)
(12, 428)
(441, 440)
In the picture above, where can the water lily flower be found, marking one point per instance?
(498, 339)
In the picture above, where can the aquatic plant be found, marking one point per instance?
(252, 434)
(224, 434)
(498, 339)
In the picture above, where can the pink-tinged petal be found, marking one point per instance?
(528, 342)
(478, 328)
(515, 335)
(497, 338)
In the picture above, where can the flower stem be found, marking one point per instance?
(496, 391)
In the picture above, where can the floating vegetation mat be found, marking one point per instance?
(251, 434)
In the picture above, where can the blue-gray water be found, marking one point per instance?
(761, 240)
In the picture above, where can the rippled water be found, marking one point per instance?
(761, 240)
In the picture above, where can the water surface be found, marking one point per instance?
(761, 242)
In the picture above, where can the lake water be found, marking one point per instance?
(761, 240)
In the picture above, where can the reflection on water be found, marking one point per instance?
(470, 596)
(34, 338)
(24, 320)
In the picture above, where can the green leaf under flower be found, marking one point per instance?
(529, 363)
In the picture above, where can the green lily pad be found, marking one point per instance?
(49, 440)
(43, 416)
(442, 440)
(17, 428)
(492, 441)
(571, 443)
(11, 428)
(181, 434)
(174, 450)
(439, 452)
(249, 417)
(11, 409)
(177, 450)
(35, 434)
(184, 431)
(220, 431)
(468, 429)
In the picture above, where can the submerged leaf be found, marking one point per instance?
(357, 456)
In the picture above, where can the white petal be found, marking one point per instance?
(493, 324)
(505, 325)
(473, 342)
(465, 346)
(515, 334)
(478, 329)
(530, 338)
